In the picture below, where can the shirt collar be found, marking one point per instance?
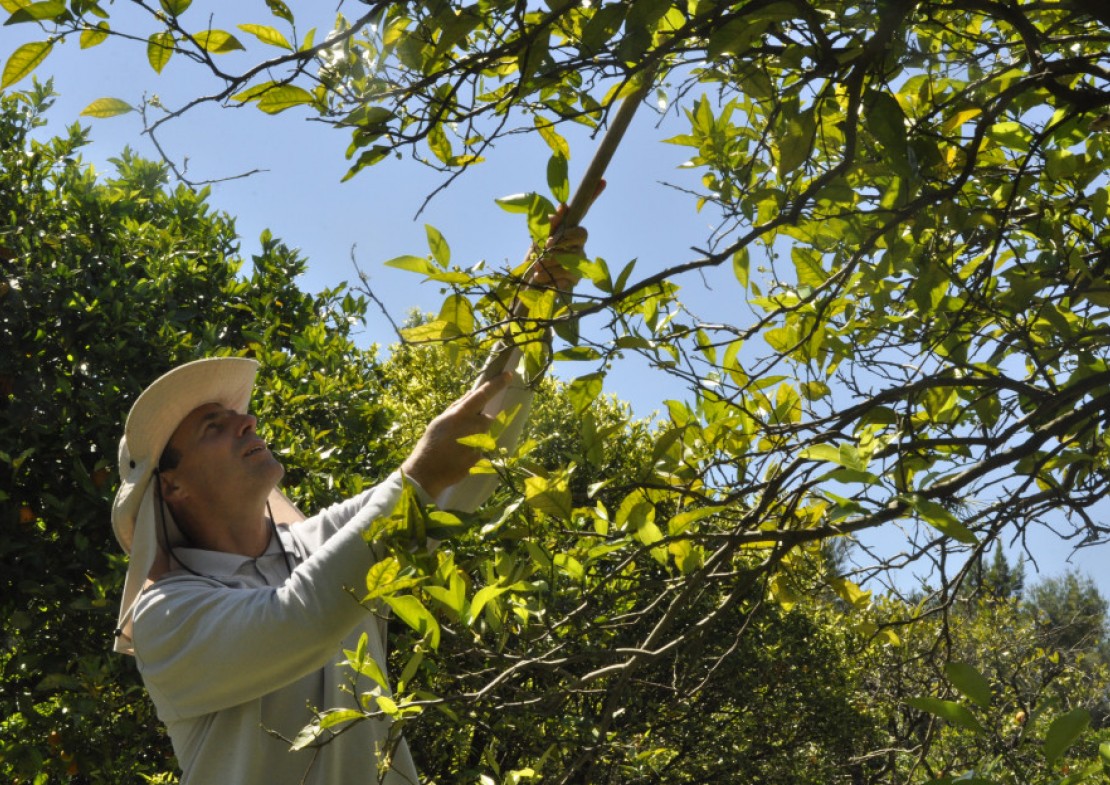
(219, 563)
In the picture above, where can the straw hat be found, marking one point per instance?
(153, 419)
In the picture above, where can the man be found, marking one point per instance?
(238, 619)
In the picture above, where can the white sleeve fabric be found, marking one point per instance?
(203, 646)
(472, 491)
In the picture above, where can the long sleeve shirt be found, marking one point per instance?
(237, 658)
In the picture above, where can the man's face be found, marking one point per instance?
(222, 457)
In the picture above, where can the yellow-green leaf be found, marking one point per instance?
(549, 496)
(217, 41)
(553, 138)
(107, 107)
(283, 97)
(479, 441)
(937, 516)
(280, 9)
(959, 118)
(175, 7)
(254, 92)
(91, 36)
(441, 251)
(1063, 732)
(37, 12)
(24, 60)
(267, 35)
(159, 49)
(410, 610)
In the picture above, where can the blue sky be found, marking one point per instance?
(301, 199)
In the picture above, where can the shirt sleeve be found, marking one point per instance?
(203, 646)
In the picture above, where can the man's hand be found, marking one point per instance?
(438, 461)
(546, 271)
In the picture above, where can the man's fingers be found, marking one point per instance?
(475, 400)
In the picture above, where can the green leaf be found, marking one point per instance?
(480, 441)
(481, 599)
(970, 683)
(941, 519)
(387, 705)
(439, 144)
(381, 577)
(807, 265)
(38, 12)
(1063, 732)
(741, 265)
(432, 331)
(23, 61)
(159, 49)
(364, 664)
(950, 711)
(441, 252)
(584, 390)
(91, 36)
(267, 35)
(175, 7)
(333, 717)
(453, 595)
(515, 203)
(410, 610)
(796, 143)
(557, 179)
(415, 264)
(283, 97)
(217, 41)
(887, 123)
(551, 497)
(280, 10)
(553, 138)
(107, 107)
(308, 734)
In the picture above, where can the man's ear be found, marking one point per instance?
(172, 490)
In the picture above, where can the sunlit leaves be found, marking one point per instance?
(969, 682)
(159, 49)
(283, 97)
(280, 10)
(91, 36)
(175, 7)
(24, 60)
(267, 35)
(1063, 732)
(217, 41)
(942, 519)
(40, 11)
(107, 107)
(950, 711)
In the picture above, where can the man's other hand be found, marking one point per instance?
(438, 461)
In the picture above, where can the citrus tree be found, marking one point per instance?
(912, 197)
(105, 284)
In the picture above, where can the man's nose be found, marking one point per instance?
(247, 423)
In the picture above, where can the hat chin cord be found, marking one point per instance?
(169, 546)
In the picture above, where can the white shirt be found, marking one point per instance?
(240, 658)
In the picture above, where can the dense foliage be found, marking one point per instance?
(106, 283)
(912, 196)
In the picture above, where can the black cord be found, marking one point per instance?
(165, 533)
(273, 528)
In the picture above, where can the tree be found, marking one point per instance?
(983, 690)
(912, 197)
(105, 284)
